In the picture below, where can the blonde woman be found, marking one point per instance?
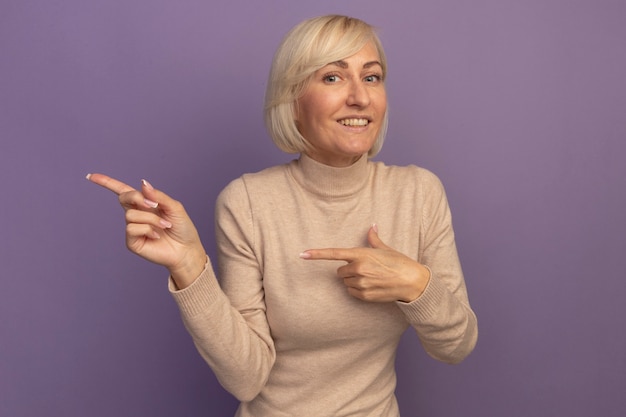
(323, 262)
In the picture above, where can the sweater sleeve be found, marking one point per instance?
(227, 322)
(442, 316)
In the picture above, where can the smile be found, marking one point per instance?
(354, 122)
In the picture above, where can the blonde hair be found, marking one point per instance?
(305, 49)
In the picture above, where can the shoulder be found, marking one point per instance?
(261, 182)
(407, 176)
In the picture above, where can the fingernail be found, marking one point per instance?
(147, 185)
(375, 227)
(88, 177)
(305, 255)
(154, 235)
(150, 203)
(165, 224)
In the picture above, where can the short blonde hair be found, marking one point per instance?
(305, 49)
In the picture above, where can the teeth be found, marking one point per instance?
(354, 122)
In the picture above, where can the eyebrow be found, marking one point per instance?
(344, 64)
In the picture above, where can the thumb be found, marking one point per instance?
(373, 238)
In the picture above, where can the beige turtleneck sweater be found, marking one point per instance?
(282, 334)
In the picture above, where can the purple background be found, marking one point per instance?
(519, 106)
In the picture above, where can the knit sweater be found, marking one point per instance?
(281, 333)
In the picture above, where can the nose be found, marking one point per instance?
(357, 95)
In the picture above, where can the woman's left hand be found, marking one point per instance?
(378, 273)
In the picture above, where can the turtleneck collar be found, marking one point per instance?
(327, 181)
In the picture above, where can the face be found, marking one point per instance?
(343, 108)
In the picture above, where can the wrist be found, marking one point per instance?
(189, 269)
(419, 284)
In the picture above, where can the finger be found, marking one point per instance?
(353, 269)
(357, 283)
(135, 198)
(145, 217)
(158, 198)
(333, 254)
(374, 240)
(136, 231)
(359, 288)
(109, 183)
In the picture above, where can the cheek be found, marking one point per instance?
(303, 109)
(315, 110)
(381, 101)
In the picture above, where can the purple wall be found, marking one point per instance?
(519, 106)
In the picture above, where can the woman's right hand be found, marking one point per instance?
(158, 229)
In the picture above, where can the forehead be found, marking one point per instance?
(367, 56)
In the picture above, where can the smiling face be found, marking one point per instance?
(342, 110)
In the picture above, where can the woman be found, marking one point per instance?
(323, 262)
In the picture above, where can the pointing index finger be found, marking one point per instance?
(331, 254)
(109, 183)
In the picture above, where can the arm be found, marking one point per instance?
(236, 344)
(430, 291)
(441, 316)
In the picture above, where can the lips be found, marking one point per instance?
(357, 122)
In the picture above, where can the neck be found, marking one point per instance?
(338, 162)
(330, 181)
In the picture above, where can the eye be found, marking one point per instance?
(374, 78)
(330, 78)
